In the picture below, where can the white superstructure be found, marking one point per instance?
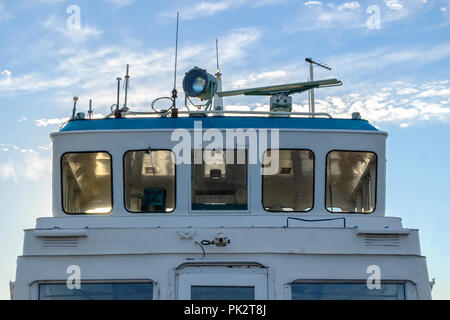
(130, 221)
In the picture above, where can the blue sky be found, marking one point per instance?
(396, 76)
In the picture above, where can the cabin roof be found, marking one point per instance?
(218, 122)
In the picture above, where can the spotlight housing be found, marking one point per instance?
(198, 83)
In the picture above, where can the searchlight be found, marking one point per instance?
(199, 84)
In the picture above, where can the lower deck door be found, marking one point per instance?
(222, 284)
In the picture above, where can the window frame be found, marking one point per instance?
(253, 288)
(376, 182)
(313, 190)
(62, 189)
(124, 190)
(37, 284)
(214, 211)
(349, 281)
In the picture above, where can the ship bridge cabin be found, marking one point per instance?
(219, 166)
(151, 208)
(210, 205)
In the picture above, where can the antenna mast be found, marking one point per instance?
(217, 56)
(218, 101)
(312, 107)
(90, 112)
(174, 91)
(74, 110)
(127, 85)
(117, 113)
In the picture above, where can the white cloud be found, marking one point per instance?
(7, 171)
(210, 8)
(50, 1)
(235, 44)
(259, 79)
(6, 73)
(33, 82)
(434, 93)
(12, 147)
(444, 7)
(47, 147)
(313, 3)
(347, 15)
(398, 103)
(318, 16)
(387, 106)
(36, 168)
(56, 24)
(151, 71)
(9, 146)
(50, 122)
(120, 3)
(205, 8)
(349, 6)
(394, 4)
(381, 58)
(25, 164)
(403, 91)
(28, 151)
(262, 3)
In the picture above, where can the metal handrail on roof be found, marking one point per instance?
(222, 113)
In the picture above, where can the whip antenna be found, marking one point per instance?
(174, 91)
(174, 97)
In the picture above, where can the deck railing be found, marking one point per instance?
(223, 113)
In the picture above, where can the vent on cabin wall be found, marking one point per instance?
(61, 242)
(372, 240)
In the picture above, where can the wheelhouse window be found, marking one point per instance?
(351, 182)
(86, 183)
(291, 188)
(97, 291)
(219, 180)
(222, 293)
(347, 291)
(149, 181)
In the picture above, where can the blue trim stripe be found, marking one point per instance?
(218, 122)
